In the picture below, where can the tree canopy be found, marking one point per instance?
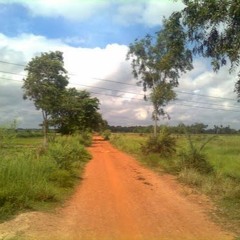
(158, 62)
(78, 112)
(46, 80)
(45, 83)
(67, 109)
(212, 29)
(161, 57)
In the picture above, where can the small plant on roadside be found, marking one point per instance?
(84, 138)
(194, 158)
(67, 153)
(34, 177)
(106, 134)
(164, 144)
(7, 134)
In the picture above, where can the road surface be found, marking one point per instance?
(121, 200)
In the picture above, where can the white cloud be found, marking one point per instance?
(141, 113)
(147, 12)
(88, 67)
(73, 9)
(121, 104)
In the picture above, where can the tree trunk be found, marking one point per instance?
(155, 125)
(45, 129)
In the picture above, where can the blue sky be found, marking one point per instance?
(98, 30)
(94, 36)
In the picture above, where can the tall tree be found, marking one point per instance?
(158, 61)
(45, 83)
(212, 28)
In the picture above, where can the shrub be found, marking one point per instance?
(67, 154)
(193, 158)
(84, 138)
(26, 181)
(106, 134)
(163, 143)
(7, 134)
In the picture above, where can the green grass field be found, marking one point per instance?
(34, 178)
(222, 185)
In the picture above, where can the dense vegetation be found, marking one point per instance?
(209, 163)
(66, 109)
(195, 128)
(33, 177)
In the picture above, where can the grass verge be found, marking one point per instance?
(222, 184)
(32, 178)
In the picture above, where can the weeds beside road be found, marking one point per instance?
(33, 178)
(222, 184)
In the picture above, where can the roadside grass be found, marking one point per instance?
(32, 178)
(222, 184)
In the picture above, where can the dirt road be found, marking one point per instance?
(121, 200)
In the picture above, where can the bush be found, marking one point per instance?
(26, 181)
(84, 138)
(163, 143)
(68, 153)
(193, 158)
(7, 134)
(106, 134)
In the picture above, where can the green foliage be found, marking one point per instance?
(69, 110)
(158, 60)
(161, 95)
(194, 158)
(164, 144)
(27, 180)
(214, 35)
(7, 134)
(221, 183)
(106, 134)
(45, 83)
(77, 112)
(212, 30)
(29, 134)
(66, 153)
(84, 138)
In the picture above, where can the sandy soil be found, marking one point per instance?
(120, 200)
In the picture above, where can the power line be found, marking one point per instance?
(118, 82)
(17, 64)
(110, 95)
(142, 95)
(220, 109)
(106, 89)
(214, 104)
(186, 105)
(13, 73)
(203, 95)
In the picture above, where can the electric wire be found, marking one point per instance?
(145, 101)
(108, 80)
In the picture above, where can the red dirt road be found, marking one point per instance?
(121, 200)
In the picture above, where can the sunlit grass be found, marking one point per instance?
(222, 152)
(34, 179)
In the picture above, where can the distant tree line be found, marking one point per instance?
(196, 128)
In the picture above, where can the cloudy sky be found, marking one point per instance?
(94, 36)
